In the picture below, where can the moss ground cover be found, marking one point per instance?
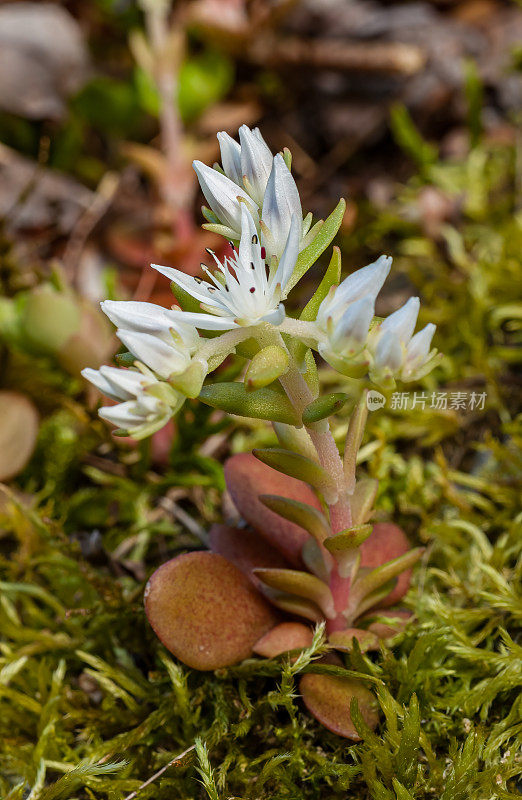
(92, 706)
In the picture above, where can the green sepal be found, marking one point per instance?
(310, 254)
(221, 230)
(125, 359)
(266, 367)
(267, 403)
(248, 347)
(191, 380)
(209, 215)
(368, 583)
(301, 584)
(324, 407)
(297, 466)
(185, 300)
(307, 517)
(287, 158)
(363, 499)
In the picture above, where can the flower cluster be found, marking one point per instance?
(254, 202)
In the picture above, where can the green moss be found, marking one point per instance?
(91, 705)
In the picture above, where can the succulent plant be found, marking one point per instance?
(261, 588)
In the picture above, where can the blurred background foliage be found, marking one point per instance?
(412, 111)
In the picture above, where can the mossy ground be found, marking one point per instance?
(91, 705)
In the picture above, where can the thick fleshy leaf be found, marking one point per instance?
(305, 516)
(310, 254)
(363, 499)
(388, 621)
(353, 441)
(284, 637)
(298, 467)
(328, 699)
(343, 640)
(18, 432)
(324, 407)
(370, 583)
(247, 478)
(331, 277)
(246, 549)
(205, 611)
(387, 541)
(302, 584)
(292, 604)
(344, 547)
(233, 397)
(266, 366)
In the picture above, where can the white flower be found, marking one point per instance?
(262, 181)
(345, 314)
(242, 292)
(281, 204)
(249, 163)
(396, 353)
(157, 336)
(147, 405)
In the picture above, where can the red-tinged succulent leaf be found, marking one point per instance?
(398, 620)
(343, 640)
(246, 549)
(328, 699)
(247, 478)
(387, 541)
(18, 433)
(284, 637)
(205, 611)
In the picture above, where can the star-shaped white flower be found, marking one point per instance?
(243, 290)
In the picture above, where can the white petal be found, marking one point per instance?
(352, 328)
(162, 358)
(402, 322)
(368, 280)
(281, 203)
(221, 194)
(95, 377)
(128, 382)
(288, 260)
(249, 247)
(419, 346)
(149, 318)
(388, 353)
(198, 289)
(209, 322)
(124, 415)
(230, 157)
(256, 163)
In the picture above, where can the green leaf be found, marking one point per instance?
(310, 254)
(324, 407)
(353, 440)
(296, 440)
(331, 277)
(292, 604)
(232, 397)
(185, 300)
(409, 138)
(297, 466)
(302, 584)
(125, 359)
(266, 366)
(376, 578)
(363, 499)
(349, 539)
(302, 514)
(191, 380)
(203, 79)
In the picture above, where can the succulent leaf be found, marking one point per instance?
(343, 640)
(363, 500)
(307, 517)
(232, 397)
(302, 584)
(326, 233)
(328, 699)
(386, 542)
(297, 466)
(245, 548)
(18, 432)
(375, 579)
(284, 637)
(266, 366)
(324, 407)
(246, 479)
(205, 611)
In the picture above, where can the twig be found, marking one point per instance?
(102, 199)
(398, 57)
(159, 773)
(194, 527)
